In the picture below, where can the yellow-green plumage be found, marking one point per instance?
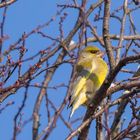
(91, 71)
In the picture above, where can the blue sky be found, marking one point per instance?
(23, 16)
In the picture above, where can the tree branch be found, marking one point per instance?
(106, 36)
(6, 3)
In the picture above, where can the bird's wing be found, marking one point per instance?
(77, 87)
(80, 88)
(79, 100)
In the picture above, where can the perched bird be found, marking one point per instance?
(91, 71)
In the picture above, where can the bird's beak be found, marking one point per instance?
(101, 54)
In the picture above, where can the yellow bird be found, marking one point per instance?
(91, 71)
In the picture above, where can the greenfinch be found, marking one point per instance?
(91, 71)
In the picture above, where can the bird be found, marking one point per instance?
(91, 71)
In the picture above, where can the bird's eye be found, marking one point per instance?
(94, 51)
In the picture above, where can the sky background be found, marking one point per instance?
(23, 16)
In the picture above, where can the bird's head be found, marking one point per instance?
(92, 50)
